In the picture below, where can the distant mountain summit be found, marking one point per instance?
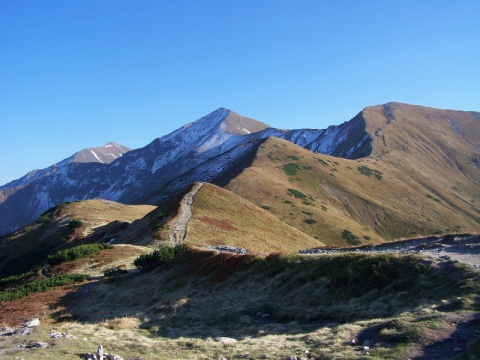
(217, 147)
(103, 154)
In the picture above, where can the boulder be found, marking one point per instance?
(100, 352)
(31, 322)
(226, 341)
(114, 357)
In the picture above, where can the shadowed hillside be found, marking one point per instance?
(64, 226)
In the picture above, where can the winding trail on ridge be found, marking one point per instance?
(180, 222)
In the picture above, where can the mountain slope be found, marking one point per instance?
(222, 218)
(427, 187)
(434, 154)
(132, 177)
(64, 226)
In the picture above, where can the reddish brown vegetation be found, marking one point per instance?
(222, 224)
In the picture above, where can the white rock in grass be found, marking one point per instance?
(31, 322)
(100, 352)
(226, 341)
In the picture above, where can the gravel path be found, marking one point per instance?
(462, 247)
(180, 222)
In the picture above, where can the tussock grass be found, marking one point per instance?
(340, 288)
(315, 303)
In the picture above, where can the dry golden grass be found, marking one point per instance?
(177, 311)
(404, 203)
(223, 218)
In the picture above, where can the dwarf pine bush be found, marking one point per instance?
(158, 257)
(37, 286)
(76, 252)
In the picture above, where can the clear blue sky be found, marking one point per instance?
(77, 74)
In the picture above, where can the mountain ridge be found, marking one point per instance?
(139, 172)
(415, 139)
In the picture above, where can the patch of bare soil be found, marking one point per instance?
(39, 305)
(452, 340)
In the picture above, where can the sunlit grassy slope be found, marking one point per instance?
(223, 218)
(400, 191)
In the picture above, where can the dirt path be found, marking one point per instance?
(180, 222)
(464, 248)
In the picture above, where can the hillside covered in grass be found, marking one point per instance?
(270, 307)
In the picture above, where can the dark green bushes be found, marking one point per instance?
(37, 286)
(16, 278)
(158, 257)
(350, 238)
(76, 252)
(365, 170)
(291, 168)
(74, 224)
(297, 194)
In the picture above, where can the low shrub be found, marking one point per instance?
(291, 168)
(74, 224)
(365, 170)
(16, 278)
(76, 252)
(297, 194)
(350, 238)
(37, 286)
(158, 257)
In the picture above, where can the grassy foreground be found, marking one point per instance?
(278, 306)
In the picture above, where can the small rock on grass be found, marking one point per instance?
(226, 341)
(31, 322)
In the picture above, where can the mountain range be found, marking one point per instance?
(393, 171)
(230, 239)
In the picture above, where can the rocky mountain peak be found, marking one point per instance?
(241, 125)
(103, 154)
